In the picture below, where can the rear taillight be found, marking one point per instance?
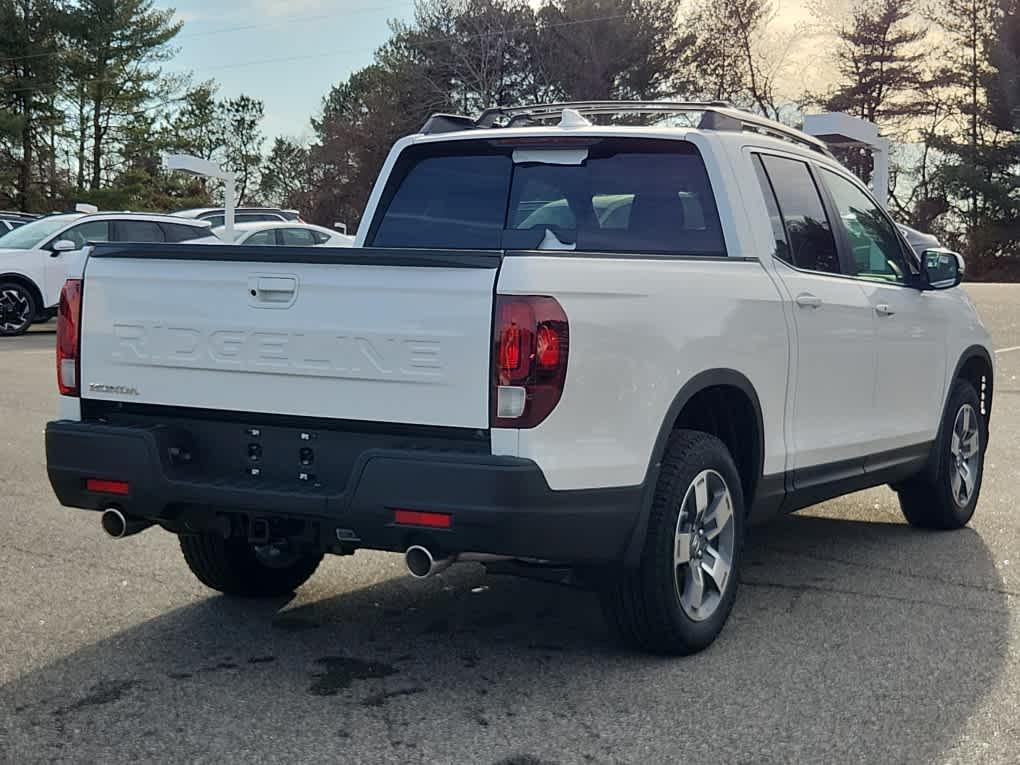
(529, 349)
(69, 338)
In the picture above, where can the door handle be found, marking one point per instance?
(883, 309)
(807, 300)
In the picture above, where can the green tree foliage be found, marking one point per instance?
(469, 54)
(283, 174)
(605, 49)
(978, 157)
(728, 59)
(242, 141)
(115, 47)
(30, 70)
(880, 60)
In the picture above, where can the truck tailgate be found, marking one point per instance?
(358, 334)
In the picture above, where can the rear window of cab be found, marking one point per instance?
(626, 196)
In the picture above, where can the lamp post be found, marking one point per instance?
(186, 163)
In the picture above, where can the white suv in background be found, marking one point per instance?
(33, 256)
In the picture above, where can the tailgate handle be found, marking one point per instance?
(272, 290)
(277, 286)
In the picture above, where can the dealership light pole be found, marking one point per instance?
(186, 163)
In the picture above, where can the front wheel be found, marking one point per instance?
(17, 309)
(678, 600)
(945, 494)
(236, 567)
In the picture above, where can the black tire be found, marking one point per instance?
(17, 309)
(233, 567)
(928, 499)
(643, 606)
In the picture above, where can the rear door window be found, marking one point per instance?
(297, 237)
(808, 230)
(450, 202)
(629, 196)
(175, 232)
(262, 237)
(137, 231)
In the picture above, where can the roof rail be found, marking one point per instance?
(715, 115)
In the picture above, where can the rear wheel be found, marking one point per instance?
(945, 494)
(236, 567)
(679, 598)
(17, 309)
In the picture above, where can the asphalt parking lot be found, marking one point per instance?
(854, 638)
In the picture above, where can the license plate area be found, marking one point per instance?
(277, 452)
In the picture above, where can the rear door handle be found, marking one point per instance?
(883, 309)
(807, 300)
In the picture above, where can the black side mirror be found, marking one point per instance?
(941, 269)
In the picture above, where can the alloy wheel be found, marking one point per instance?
(15, 310)
(704, 545)
(965, 454)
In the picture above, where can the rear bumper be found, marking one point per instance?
(498, 505)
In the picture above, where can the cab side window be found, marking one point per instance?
(812, 245)
(875, 248)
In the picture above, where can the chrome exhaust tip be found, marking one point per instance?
(118, 526)
(421, 564)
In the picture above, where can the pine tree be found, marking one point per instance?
(30, 67)
(970, 146)
(117, 45)
(880, 62)
(880, 58)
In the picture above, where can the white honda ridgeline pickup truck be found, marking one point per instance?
(595, 353)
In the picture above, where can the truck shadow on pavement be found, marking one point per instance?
(850, 640)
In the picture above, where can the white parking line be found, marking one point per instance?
(1007, 350)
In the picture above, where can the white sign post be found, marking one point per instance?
(842, 130)
(186, 163)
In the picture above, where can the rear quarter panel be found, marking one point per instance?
(640, 328)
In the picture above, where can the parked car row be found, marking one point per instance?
(32, 256)
(33, 249)
(285, 234)
(217, 215)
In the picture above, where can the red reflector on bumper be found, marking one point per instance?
(100, 486)
(416, 518)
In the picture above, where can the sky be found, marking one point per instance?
(289, 53)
